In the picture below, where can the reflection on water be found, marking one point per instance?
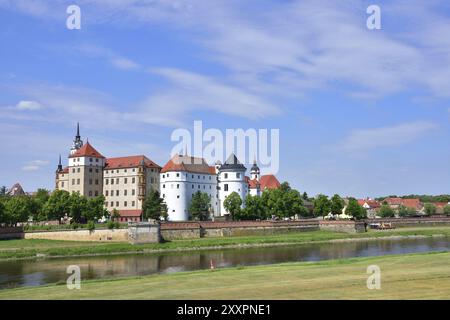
(39, 272)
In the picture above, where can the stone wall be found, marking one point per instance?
(348, 226)
(144, 232)
(11, 233)
(414, 222)
(120, 235)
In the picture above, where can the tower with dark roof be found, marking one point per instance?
(77, 142)
(231, 178)
(255, 172)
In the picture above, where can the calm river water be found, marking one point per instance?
(38, 272)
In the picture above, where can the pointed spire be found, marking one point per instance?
(60, 168)
(78, 130)
(60, 160)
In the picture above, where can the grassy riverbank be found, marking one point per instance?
(415, 276)
(19, 249)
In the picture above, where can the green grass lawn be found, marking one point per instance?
(14, 249)
(414, 276)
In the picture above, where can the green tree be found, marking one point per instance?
(153, 205)
(77, 207)
(355, 210)
(18, 209)
(95, 209)
(232, 205)
(3, 218)
(336, 205)
(39, 200)
(322, 205)
(254, 208)
(447, 209)
(164, 211)
(115, 215)
(305, 196)
(430, 209)
(199, 206)
(57, 205)
(386, 211)
(402, 211)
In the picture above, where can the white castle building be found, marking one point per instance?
(125, 181)
(183, 176)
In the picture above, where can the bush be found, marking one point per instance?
(111, 224)
(91, 225)
(74, 226)
(117, 225)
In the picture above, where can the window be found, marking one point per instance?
(78, 170)
(209, 177)
(62, 184)
(78, 181)
(90, 193)
(96, 193)
(204, 177)
(73, 181)
(164, 176)
(90, 169)
(73, 170)
(192, 186)
(164, 186)
(178, 197)
(199, 186)
(90, 181)
(125, 203)
(225, 187)
(133, 180)
(106, 181)
(192, 176)
(133, 192)
(178, 186)
(204, 187)
(96, 170)
(117, 180)
(126, 180)
(106, 193)
(117, 193)
(96, 159)
(124, 192)
(117, 203)
(112, 181)
(112, 203)
(106, 204)
(238, 175)
(178, 175)
(133, 203)
(226, 175)
(134, 170)
(96, 181)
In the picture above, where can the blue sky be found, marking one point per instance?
(361, 112)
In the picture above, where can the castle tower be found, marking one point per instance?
(77, 142)
(86, 171)
(231, 178)
(254, 172)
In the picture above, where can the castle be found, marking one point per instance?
(125, 181)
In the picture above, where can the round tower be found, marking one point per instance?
(254, 172)
(231, 178)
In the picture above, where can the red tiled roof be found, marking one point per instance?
(129, 162)
(394, 201)
(253, 184)
(130, 213)
(411, 203)
(188, 164)
(269, 182)
(440, 204)
(361, 202)
(86, 151)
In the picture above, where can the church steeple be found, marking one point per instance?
(60, 168)
(77, 142)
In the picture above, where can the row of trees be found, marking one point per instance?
(324, 206)
(44, 206)
(429, 209)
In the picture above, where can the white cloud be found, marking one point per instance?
(363, 140)
(35, 165)
(113, 58)
(28, 105)
(192, 92)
